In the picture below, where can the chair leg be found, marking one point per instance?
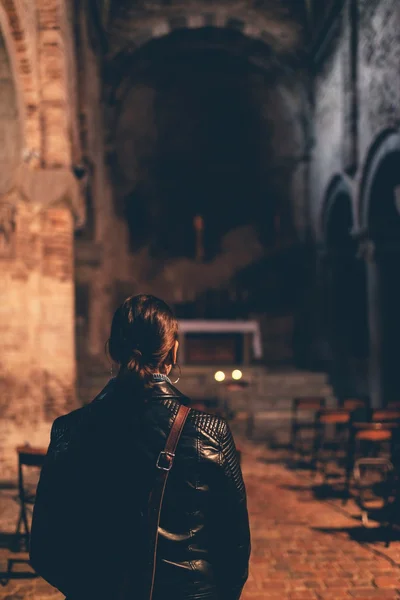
(22, 521)
(351, 450)
(318, 441)
(364, 518)
(293, 435)
(25, 521)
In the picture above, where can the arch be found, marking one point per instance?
(123, 66)
(338, 187)
(386, 144)
(253, 24)
(10, 124)
(20, 41)
(380, 223)
(343, 285)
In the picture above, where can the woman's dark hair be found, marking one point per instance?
(143, 334)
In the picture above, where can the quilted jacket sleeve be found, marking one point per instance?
(231, 522)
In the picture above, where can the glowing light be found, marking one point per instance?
(219, 376)
(236, 375)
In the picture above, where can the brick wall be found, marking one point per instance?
(39, 206)
(37, 366)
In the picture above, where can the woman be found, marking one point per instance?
(89, 524)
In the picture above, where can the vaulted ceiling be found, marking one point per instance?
(281, 24)
(206, 100)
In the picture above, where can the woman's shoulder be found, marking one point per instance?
(70, 421)
(210, 424)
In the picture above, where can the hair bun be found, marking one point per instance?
(136, 360)
(143, 333)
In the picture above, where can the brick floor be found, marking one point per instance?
(303, 548)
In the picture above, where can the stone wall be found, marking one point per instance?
(37, 363)
(378, 96)
(40, 206)
(328, 130)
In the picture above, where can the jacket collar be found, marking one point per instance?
(161, 389)
(165, 389)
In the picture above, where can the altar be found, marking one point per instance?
(213, 343)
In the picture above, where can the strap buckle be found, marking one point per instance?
(165, 460)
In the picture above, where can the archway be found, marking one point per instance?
(203, 118)
(200, 128)
(344, 295)
(10, 128)
(380, 216)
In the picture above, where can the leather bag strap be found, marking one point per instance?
(164, 464)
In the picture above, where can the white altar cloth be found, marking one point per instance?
(198, 326)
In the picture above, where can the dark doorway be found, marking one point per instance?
(345, 299)
(384, 278)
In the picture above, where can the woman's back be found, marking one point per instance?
(90, 520)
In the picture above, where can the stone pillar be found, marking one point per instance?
(375, 325)
(339, 319)
(385, 327)
(37, 341)
(57, 304)
(21, 393)
(384, 321)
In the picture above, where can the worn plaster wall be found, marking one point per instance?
(328, 111)
(378, 95)
(379, 79)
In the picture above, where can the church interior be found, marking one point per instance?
(239, 159)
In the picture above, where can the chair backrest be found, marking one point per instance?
(386, 414)
(308, 403)
(393, 405)
(354, 403)
(334, 415)
(31, 457)
(28, 457)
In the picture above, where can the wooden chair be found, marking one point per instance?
(385, 465)
(341, 418)
(355, 403)
(337, 417)
(303, 406)
(393, 405)
(380, 430)
(386, 415)
(28, 457)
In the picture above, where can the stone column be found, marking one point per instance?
(374, 323)
(21, 393)
(57, 306)
(384, 320)
(387, 264)
(37, 316)
(339, 318)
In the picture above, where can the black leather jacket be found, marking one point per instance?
(89, 527)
